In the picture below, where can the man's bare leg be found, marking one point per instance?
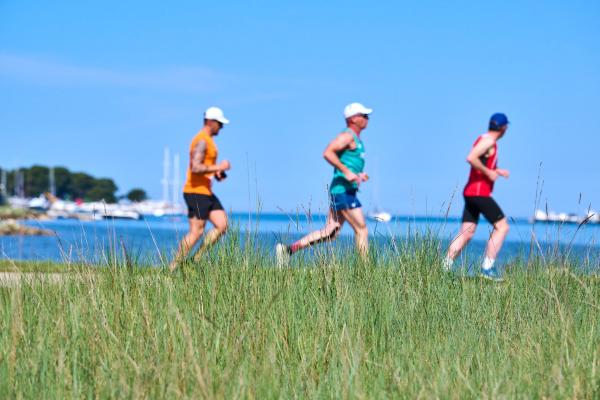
(356, 219)
(495, 242)
(329, 232)
(218, 218)
(488, 271)
(188, 241)
(467, 230)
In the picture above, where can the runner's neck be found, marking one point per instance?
(493, 134)
(206, 129)
(355, 129)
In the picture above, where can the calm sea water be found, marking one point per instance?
(145, 239)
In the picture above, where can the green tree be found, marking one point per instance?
(62, 179)
(81, 184)
(137, 195)
(10, 182)
(102, 189)
(69, 185)
(37, 180)
(11, 178)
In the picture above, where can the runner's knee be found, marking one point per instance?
(221, 227)
(219, 223)
(191, 239)
(468, 234)
(332, 229)
(361, 228)
(502, 226)
(336, 231)
(467, 231)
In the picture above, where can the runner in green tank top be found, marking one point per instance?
(346, 154)
(354, 160)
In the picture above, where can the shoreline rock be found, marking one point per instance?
(9, 213)
(11, 227)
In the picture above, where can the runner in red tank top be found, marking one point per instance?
(479, 183)
(483, 159)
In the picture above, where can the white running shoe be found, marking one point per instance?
(283, 255)
(447, 264)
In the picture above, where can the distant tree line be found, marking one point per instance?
(33, 181)
(137, 195)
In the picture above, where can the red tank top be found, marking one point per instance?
(479, 184)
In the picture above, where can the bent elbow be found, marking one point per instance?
(198, 169)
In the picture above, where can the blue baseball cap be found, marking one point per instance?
(498, 120)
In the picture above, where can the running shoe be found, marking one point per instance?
(447, 265)
(492, 274)
(282, 253)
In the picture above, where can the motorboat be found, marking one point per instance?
(380, 216)
(590, 217)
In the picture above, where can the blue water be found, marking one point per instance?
(156, 238)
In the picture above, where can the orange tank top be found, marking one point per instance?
(200, 183)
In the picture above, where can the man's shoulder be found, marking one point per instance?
(346, 135)
(201, 136)
(486, 138)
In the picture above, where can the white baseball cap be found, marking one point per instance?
(353, 109)
(215, 113)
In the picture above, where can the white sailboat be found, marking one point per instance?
(380, 216)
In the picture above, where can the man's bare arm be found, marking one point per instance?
(198, 158)
(476, 152)
(340, 143)
(198, 166)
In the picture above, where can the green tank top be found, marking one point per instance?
(354, 160)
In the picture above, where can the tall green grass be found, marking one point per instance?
(330, 326)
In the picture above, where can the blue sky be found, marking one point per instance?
(104, 87)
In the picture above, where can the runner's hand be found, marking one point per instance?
(493, 175)
(352, 177)
(363, 177)
(503, 172)
(220, 175)
(224, 165)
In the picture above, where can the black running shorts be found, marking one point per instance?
(200, 205)
(475, 205)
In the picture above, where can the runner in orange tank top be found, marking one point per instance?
(201, 183)
(201, 202)
(478, 199)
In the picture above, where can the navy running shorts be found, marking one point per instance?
(344, 201)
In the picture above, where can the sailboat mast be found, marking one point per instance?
(52, 186)
(176, 182)
(3, 189)
(165, 179)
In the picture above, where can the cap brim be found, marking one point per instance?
(365, 111)
(224, 121)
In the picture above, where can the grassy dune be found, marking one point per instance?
(330, 327)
